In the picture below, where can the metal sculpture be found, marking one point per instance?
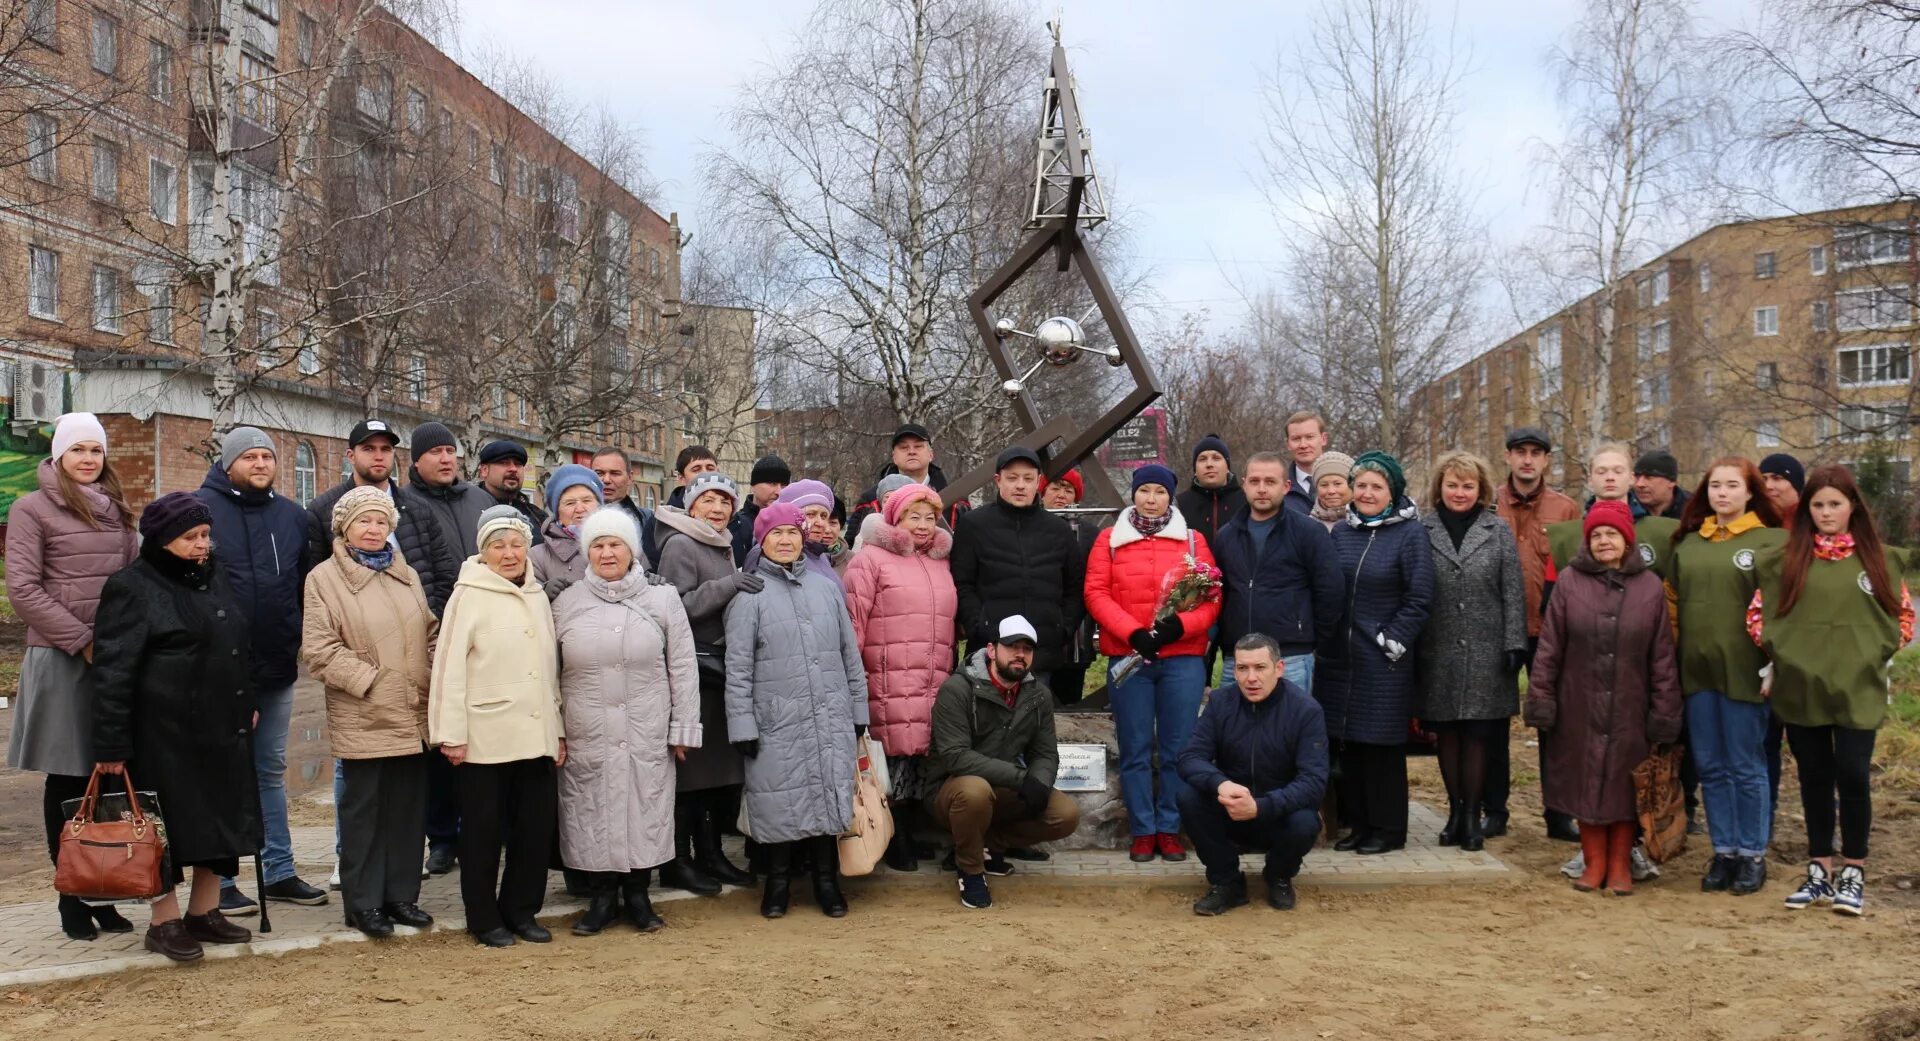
(1066, 199)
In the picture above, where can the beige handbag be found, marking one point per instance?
(865, 841)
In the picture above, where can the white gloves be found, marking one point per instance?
(1766, 680)
(1392, 650)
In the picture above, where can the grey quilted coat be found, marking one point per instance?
(797, 685)
(1479, 614)
(629, 690)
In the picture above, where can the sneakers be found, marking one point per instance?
(1280, 893)
(333, 880)
(1816, 891)
(1142, 849)
(295, 890)
(1576, 867)
(1643, 867)
(1850, 891)
(1719, 876)
(997, 865)
(1171, 848)
(235, 904)
(1222, 898)
(974, 894)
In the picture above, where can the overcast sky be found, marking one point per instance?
(1173, 97)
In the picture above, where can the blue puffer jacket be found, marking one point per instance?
(1277, 748)
(1368, 698)
(1293, 592)
(259, 538)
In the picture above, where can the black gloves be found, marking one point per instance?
(750, 749)
(556, 585)
(747, 582)
(1169, 630)
(1034, 793)
(1516, 660)
(859, 730)
(1144, 644)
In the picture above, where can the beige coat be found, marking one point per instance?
(496, 678)
(368, 637)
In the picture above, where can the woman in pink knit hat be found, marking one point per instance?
(901, 596)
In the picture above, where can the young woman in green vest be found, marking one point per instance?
(1728, 524)
(1831, 609)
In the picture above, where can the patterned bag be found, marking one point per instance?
(1661, 803)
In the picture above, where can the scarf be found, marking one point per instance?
(377, 560)
(1833, 547)
(1402, 509)
(1457, 523)
(1150, 526)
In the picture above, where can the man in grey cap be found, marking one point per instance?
(259, 538)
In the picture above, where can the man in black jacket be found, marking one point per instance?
(1215, 494)
(1279, 572)
(1256, 769)
(910, 456)
(435, 484)
(502, 474)
(1013, 557)
(370, 453)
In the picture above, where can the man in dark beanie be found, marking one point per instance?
(259, 537)
(1784, 477)
(1215, 494)
(502, 473)
(1656, 476)
(769, 478)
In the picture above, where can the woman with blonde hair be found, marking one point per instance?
(1472, 650)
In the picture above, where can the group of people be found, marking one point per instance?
(587, 684)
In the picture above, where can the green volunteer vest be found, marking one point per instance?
(1715, 582)
(1830, 654)
(1652, 537)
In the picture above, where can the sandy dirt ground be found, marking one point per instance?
(1528, 959)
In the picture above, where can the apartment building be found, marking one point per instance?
(1788, 334)
(413, 245)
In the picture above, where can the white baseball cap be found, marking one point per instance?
(1016, 627)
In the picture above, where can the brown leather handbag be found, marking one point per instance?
(113, 852)
(1661, 803)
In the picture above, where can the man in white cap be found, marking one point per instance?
(994, 757)
(259, 537)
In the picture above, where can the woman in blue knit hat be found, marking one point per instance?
(573, 492)
(1157, 706)
(1365, 682)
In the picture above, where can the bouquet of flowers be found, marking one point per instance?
(1184, 588)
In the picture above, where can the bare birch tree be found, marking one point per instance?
(1384, 257)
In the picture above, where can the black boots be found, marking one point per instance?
(1562, 828)
(603, 905)
(826, 876)
(76, 919)
(1720, 872)
(1456, 825)
(1749, 875)
(773, 902)
(1472, 838)
(901, 854)
(708, 856)
(681, 872)
(640, 914)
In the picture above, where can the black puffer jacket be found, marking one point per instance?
(1011, 560)
(260, 539)
(1207, 510)
(455, 508)
(429, 555)
(173, 698)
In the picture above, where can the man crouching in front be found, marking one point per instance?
(994, 743)
(1256, 769)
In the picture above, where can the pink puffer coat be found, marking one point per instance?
(56, 563)
(903, 605)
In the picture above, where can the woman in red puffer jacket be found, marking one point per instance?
(1130, 566)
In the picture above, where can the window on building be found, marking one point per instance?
(43, 134)
(1887, 365)
(499, 402)
(373, 98)
(1817, 260)
(1662, 338)
(1643, 342)
(1706, 383)
(521, 175)
(308, 361)
(43, 283)
(104, 182)
(105, 44)
(304, 472)
(526, 414)
(42, 23)
(1869, 422)
(107, 316)
(308, 40)
(417, 377)
(272, 338)
(256, 87)
(1766, 434)
(1818, 316)
(1651, 393)
(154, 282)
(1766, 321)
(473, 146)
(444, 131)
(1872, 307)
(1766, 375)
(1877, 244)
(1706, 276)
(1547, 360)
(163, 191)
(159, 72)
(1643, 292)
(416, 111)
(1763, 265)
(497, 165)
(254, 196)
(1661, 287)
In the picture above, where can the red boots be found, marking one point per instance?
(1594, 843)
(1620, 858)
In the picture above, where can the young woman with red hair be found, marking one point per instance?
(1728, 524)
(1831, 609)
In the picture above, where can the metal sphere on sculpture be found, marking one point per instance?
(1013, 388)
(1060, 339)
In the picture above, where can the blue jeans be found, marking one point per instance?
(1729, 739)
(1296, 669)
(270, 769)
(1155, 710)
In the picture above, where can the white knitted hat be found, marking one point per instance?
(610, 521)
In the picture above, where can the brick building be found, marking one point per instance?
(437, 253)
(1790, 334)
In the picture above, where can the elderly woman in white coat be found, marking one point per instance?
(630, 689)
(494, 712)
